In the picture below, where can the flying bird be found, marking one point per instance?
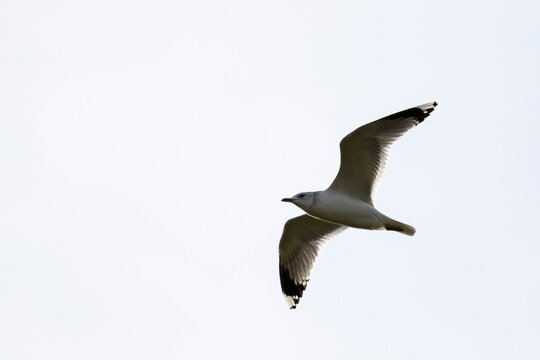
(348, 202)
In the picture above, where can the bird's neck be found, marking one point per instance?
(315, 200)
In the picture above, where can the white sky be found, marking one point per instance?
(145, 145)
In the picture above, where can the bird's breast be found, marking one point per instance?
(336, 208)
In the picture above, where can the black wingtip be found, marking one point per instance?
(429, 107)
(292, 291)
(423, 111)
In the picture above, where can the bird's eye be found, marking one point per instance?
(302, 196)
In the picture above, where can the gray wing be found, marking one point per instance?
(365, 150)
(300, 242)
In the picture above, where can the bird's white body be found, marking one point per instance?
(336, 208)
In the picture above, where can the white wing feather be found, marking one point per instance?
(365, 150)
(300, 242)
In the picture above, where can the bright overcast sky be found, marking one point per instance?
(145, 145)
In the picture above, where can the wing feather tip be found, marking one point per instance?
(426, 109)
(292, 291)
(292, 301)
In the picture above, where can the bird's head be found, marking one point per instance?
(303, 200)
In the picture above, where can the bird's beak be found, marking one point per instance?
(287, 200)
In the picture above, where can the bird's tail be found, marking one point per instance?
(393, 225)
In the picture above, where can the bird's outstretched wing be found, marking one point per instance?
(365, 150)
(300, 242)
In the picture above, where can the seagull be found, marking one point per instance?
(348, 202)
